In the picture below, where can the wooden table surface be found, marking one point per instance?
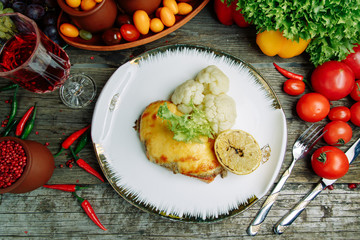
(47, 214)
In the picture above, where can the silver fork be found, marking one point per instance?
(301, 148)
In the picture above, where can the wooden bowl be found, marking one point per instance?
(96, 43)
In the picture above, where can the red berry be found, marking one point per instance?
(12, 162)
(352, 185)
(330, 187)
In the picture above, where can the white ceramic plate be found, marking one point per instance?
(153, 76)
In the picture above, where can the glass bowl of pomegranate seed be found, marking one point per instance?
(24, 165)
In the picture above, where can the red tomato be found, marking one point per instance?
(337, 133)
(294, 87)
(340, 113)
(355, 114)
(312, 107)
(329, 162)
(111, 36)
(355, 93)
(123, 19)
(333, 79)
(353, 61)
(129, 32)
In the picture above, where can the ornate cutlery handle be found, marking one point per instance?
(290, 217)
(270, 200)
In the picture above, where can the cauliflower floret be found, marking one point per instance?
(213, 79)
(187, 92)
(220, 110)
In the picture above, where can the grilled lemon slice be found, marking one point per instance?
(237, 151)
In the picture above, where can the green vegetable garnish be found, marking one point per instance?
(333, 25)
(187, 127)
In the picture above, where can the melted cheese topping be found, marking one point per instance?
(191, 158)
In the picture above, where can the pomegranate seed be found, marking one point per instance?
(352, 185)
(330, 187)
(12, 162)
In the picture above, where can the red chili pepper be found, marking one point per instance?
(288, 74)
(84, 165)
(71, 139)
(65, 187)
(227, 14)
(89, 211)
(21, 124)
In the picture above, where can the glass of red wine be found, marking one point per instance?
(29, 58)
(33, 61)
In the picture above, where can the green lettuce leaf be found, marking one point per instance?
(188, 127)
(333, 25)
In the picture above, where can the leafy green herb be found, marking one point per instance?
(187, 127)
(333, 25)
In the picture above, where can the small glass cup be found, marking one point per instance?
(78, 91)
(29, 58)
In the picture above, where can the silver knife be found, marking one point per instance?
(290, 217)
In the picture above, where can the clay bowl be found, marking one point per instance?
(96, 20)
(39, 167)
(96, 44)
(130, 6)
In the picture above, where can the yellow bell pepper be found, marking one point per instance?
(274, 43)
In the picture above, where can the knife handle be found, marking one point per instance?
(255, 225)
(290, 217)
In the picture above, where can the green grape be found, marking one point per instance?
(9, 23)
(7, 26)
(8, 10)
(3, 28)
(85, 34)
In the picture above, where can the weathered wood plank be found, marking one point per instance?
(57, 215)
(50, 214)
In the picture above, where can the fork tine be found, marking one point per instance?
(315, 138)
(305, 132)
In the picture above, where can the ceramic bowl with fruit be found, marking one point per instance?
(90, 15)
(133, 26)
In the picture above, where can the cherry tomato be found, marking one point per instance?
(123, 19)
(355, 93)
(129, 32)
(333, 79)
(337, 133)
(142, 21)
(312, 107)
(294, 87)
(340, 113)
(353, 61)
(329, 162)
(111, 36)
(355, 114)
